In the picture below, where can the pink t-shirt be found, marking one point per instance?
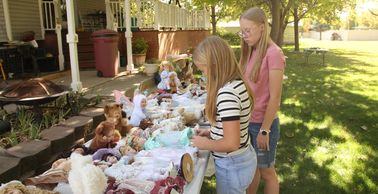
(274, 59)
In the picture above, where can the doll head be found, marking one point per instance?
(172, 76)
(109, 157)
(135, 142)
(127, 150)
(80, 149)
(166, 65)
(140, 101)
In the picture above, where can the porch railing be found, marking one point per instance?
(49, 15)
(154, 14)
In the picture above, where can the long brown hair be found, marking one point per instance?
(221, 66)
(257, 16)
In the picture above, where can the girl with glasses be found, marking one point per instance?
(262, 63)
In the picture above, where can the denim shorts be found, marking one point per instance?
(235, 173)
(265, 158)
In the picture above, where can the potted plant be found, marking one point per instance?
(140, 47)
(151, 66)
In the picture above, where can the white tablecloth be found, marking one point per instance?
(199, 172)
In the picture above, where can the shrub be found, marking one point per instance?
(231, 38)
(140, 46)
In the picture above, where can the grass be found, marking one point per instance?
(331, 111)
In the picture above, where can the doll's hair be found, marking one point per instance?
(76, 146)
(105, 156)
(166, 63)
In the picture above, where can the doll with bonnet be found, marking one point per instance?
(140, 103)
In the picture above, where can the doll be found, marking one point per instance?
(104, 136)
(135, 142)
(165, 67)
(173, 82)
(140, 103)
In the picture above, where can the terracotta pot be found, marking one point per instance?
(139, 59)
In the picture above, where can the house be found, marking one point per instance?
(168, 29)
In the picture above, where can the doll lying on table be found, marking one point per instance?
(59, 169)
(16, 187)
(105, 157)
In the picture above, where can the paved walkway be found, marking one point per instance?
(99, 86)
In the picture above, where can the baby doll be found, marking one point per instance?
(16, 187)
(127, 150)
(135, 142)
(104, 136)
(140, 103)
(165, 67)
(173, 82)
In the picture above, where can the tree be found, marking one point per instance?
(222, 10)
(324, 12)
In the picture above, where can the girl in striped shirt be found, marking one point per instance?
(228, 109)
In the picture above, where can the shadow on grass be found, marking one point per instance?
(312, 94)
(321, 103)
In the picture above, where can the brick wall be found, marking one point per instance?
(161, 43)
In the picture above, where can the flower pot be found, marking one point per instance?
(139, 59)
(151, 68)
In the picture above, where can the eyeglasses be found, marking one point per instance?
(245, 33)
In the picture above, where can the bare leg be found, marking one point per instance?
(252, 189)
(270, 178)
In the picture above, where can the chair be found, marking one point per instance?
(46, 62)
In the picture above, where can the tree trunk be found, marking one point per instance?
(276, 21)
(296, 34)
(213, 20)
(320, 35)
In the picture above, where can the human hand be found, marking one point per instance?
(263, 141)
(202, 131)
(199, 141)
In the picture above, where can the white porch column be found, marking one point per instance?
(58, 31)
(128, 35)
(8, 26)
(109, 21)
(72, 40)
(41, 19)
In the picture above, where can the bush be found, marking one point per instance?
(140, 46)
(231, 38)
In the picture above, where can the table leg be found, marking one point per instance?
(323, 58)
(306, 57)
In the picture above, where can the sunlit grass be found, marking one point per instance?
(329, 121)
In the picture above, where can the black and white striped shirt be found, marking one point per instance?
(233, 103)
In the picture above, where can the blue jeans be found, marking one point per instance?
(235, 173)
(265, 158)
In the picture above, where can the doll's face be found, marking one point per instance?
(111, 159)
(125, 150)
(143, 103)
(79, 151)
(172, 77)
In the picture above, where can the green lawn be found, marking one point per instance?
(329, 121)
